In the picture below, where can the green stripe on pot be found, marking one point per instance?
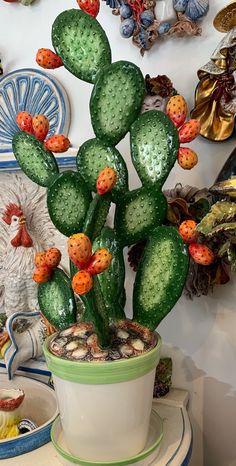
(133, 459)
(106, 372)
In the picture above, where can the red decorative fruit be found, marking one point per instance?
(187, 158)
(177, 110)
(47, 59)
(24, 121)
(82, 282)
(40, 126)
(57, 143)
(188, 232)
(89, 6)
(79, 249)
(53, 257)
(42, 274)
(189, 131)
(100, 261)
(201, 254)
(106, 180)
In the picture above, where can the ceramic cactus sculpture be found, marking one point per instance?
(78, 202)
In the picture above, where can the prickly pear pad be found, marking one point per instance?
(93, 156)
(160, 277)
(81, 43)
(37, 163)
(154, 147)
(116, 100)
(137, 213)
(68, 200)
(56, 300)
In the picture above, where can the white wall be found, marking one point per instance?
(201, 335)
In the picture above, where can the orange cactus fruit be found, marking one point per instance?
(82, 282)
(100, 261)
(189, 131)
(53, 257)
(187, 158)
(106, 180)
(40, 258)
(89, 6)
(40, 126)
(42, 274)
(48, 60)
(24, 122)
(177, 110)
(201, 254)
(79, 249)
(188, 232)
(57, 143)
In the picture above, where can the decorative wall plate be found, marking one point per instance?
(148, 20)
(35, 92)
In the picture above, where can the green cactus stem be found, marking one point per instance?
(97, 215)
(154, 147)
(116, 100)
(160, 277)
(112, 280)
(95, 312)
(56, 300)
(68, 201)
(137, 213)
(81, 43)
(36, 162)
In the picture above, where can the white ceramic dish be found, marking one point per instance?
(144, 458)
(40, 406)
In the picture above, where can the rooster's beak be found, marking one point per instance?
(22, 220)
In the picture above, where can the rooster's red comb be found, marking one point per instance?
(11, 209)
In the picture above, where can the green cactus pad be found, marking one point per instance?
(97, 215)
(154, 147)
(68, 201)
(112, 280)
(81, 43)
(160, 277)
(93, 156)
(36, 162)
(137, 213)
(116, 100)
(56, 300)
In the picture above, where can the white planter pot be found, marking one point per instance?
(105, 407)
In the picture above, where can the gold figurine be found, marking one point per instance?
(215, 98)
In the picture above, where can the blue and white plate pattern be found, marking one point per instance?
(35, 92)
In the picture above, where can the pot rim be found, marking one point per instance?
(103, 372)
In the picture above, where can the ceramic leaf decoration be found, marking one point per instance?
(115, 106)
(147, 21)
(215, 96)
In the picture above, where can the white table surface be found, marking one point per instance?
(174, 447)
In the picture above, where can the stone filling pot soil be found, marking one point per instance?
(79, 342)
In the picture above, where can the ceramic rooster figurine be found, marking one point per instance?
(25, 228)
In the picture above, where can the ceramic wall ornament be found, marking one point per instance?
(35, 92)
(149, 20)
(215, 97)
